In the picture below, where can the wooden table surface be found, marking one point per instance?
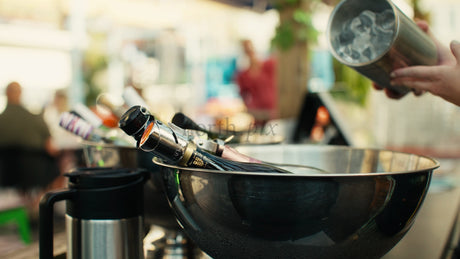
(32, 251)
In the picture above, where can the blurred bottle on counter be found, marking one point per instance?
(130, 98)
(174, 148)
(89, 116)
(107, 102)
(77, 125)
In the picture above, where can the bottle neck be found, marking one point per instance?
(117, 110)
(88, 115)
(164, 142)
(132, 98)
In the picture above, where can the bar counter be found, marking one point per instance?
(434, 235)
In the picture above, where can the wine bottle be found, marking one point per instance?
(134, 121)
(141, 117)
(86, 131)
(80, 127)
(132, 98)
(183, 121)
(89, 116)
(214, 146)
(174, 148)
(117, 110)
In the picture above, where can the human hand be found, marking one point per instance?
(445, 57)
(390, 93)
(441, 80)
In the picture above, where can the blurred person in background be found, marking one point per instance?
(69, 154)
(27, 153)
(441, 79)
(258, 85)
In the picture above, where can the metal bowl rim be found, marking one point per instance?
(87, 143)
(435, 165)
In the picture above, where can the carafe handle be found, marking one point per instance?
(46, 219)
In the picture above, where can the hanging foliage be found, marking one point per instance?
(298, 28)
(418, 12)
(350, 85)
(94, 64)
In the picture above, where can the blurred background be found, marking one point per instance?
(183, 55)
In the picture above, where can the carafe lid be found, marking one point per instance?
(106, 193)
(100, 177)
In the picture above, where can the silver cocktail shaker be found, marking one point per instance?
(402, 42)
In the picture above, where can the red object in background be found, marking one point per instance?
(317, 133)
(322, 119)
(322, 116)
(258, 88)
(108, 118)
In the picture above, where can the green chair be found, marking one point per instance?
(17, 215)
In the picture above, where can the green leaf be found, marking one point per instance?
(284, 38)
(302, 17)
(353, 86)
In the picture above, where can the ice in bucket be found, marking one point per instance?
(365, 37)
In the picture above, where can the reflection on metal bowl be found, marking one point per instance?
(360, 207)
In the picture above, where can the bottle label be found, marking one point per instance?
(76, 125)
(196, 160)
(88, 115)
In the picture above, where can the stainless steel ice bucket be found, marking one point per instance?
(409, 45)
(359, 206)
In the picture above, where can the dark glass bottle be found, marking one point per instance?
(177, 149)
(134, 121)
(183, 121)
